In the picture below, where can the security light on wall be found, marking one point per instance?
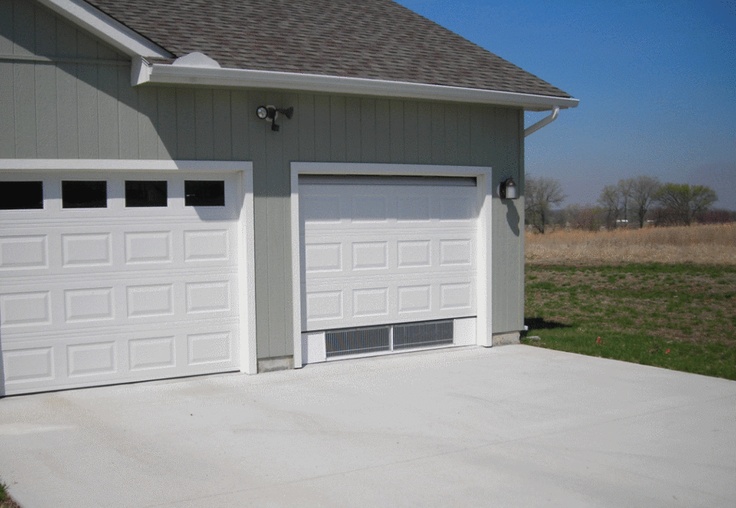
(271, 113)
(507, 189)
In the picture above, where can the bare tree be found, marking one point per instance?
(625, 190)
(682, 203)
(610, 200)
(540, 196)
(643, 190)
(587, 217)
(630, 198)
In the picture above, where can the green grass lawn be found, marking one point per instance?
(680, 317)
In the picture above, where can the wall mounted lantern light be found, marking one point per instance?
(271, 113)
(507, 189)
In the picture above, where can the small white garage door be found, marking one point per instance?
(386, 251)
(117, 279)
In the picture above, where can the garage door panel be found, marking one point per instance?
(28, 366)
(323, 257)
(86, 250)
(399, 258)
(117, 301)
(210, 348)
(100, 358)
(117, 294)
(207, 245)
(386, 251)
(359, 279)
(360, 201)
(148, 353)
(150, 300)
(208, 296)
(105, 249)
(25, 308)
(362, 301)
(89, 304)
(108, 355)
(147, 247)
(23, 252)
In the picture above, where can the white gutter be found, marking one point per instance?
(543, 122)
(179, 74)
(106, 28)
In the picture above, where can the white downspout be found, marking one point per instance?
(543, 122)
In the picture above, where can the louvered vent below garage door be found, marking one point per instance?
(388, 338)
(358, 341)
(422, 334)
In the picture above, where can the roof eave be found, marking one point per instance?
(157, 73)
(106, 28)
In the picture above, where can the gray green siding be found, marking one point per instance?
(77, 102)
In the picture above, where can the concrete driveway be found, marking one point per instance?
(507, 426)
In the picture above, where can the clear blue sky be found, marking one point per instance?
(656, 82)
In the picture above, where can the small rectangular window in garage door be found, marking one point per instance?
(204, 193)
(145, 193)
(21, 195)
(83, 194)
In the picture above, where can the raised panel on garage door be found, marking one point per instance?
(383, 250)
(120, 293)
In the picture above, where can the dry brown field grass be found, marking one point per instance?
(699, 244)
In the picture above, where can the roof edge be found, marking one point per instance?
(158, 73)
(106, 28)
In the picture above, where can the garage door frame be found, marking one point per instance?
(247, 360)
(483, 176)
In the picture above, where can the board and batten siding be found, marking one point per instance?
(66, 95)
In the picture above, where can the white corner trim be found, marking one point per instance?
(483, 323)
(296, 270)
(244, 78)
(247, 274)
(106, 28)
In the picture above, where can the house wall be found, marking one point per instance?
(65, 95)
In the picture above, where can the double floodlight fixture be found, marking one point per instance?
(271, 113)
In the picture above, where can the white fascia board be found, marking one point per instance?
(106, 28)
(243, 78)
(67, 165)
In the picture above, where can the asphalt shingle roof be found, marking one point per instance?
(374, 39)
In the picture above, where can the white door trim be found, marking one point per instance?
(485, 193)
(246, 239)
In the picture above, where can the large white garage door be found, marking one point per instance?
(380, 251)
(116, 279)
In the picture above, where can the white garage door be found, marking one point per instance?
(380, 251)
(117, 279)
